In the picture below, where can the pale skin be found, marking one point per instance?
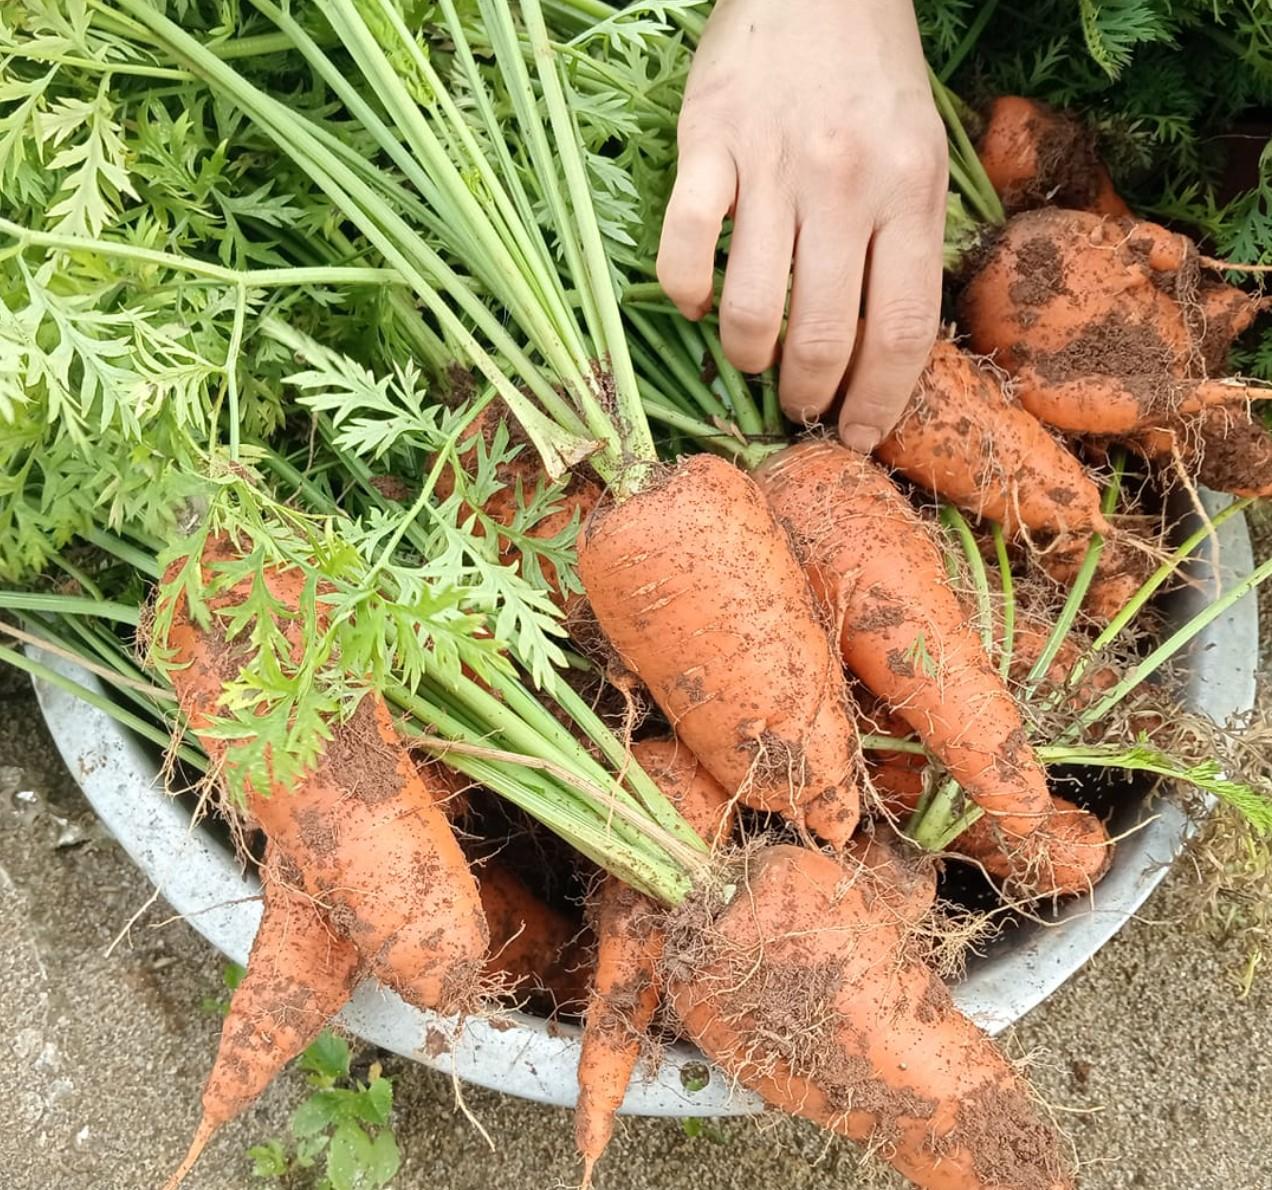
(811, 124)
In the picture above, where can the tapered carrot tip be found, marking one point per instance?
(589, 1166)
(204, 1133)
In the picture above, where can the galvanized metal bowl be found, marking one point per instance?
(196, 872)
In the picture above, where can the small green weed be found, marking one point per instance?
(342, 1127)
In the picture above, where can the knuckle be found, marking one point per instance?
(830, 151)
(819, 348)
(919, 161)
(907, 326)
(749, 318)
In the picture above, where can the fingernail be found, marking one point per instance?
(859, 438)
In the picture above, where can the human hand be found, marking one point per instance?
(812, 123)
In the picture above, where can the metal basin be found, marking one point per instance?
(527, 1056)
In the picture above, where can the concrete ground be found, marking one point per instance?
(1161, 1074)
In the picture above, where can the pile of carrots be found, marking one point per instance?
(773, 615)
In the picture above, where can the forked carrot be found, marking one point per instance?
(882, 580)
(299, 975)
(630, 935)
(365, 833)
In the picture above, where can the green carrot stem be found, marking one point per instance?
(1081, 585)
(953, 519)
(1168, 648)
(70, 605)
(1009, 600)
(94, 698)
(1137, 601)
(248, 278)
(682, 367)
(745, 410)
(969, 39)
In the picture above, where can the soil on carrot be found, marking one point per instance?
(1068, 167)
(1235, 452)
(1039, 273)
(1011, 1145)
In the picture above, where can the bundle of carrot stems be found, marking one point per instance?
(356, 452)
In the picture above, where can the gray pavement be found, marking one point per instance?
(1161, 1074)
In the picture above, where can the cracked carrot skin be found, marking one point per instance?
(299, 975)
(803, 990)
(365, 831)
(881, 578)
(630, 936)
(698, 591)
(963, 438)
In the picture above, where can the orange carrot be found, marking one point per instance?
(533, 946)
(363, 829)
(1121, 570)
(881, 578)
(1066, 857)
(299, 975)
(625, 995)
(697, 589)
(900, 877)
(1036, 156)
(801, 989)
(630, 937)
(1104, 325)
(965, 439)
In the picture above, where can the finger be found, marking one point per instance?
(902, 317)
(825, 304)
(705, 189)
(755, 282)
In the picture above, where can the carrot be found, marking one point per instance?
(1066, 857)
(1102, 324)
(697, 589)
(1121, 570)
(363, 829)
(630, 938)
(299, 975)
(1234, 453)
(899, 877)
(801, 989)
(625, 996)
(533, 946)
(881, 578)
(1035, 156)
(965, 439)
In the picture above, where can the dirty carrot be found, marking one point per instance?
(697, 589)
(882, 580)
(299, 975)
(965, 439)
(800, 987)
(365, 833)
(630, 935)
(1036, 156)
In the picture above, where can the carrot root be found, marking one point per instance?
(902, 631)
(697, 589)
(790, 984)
